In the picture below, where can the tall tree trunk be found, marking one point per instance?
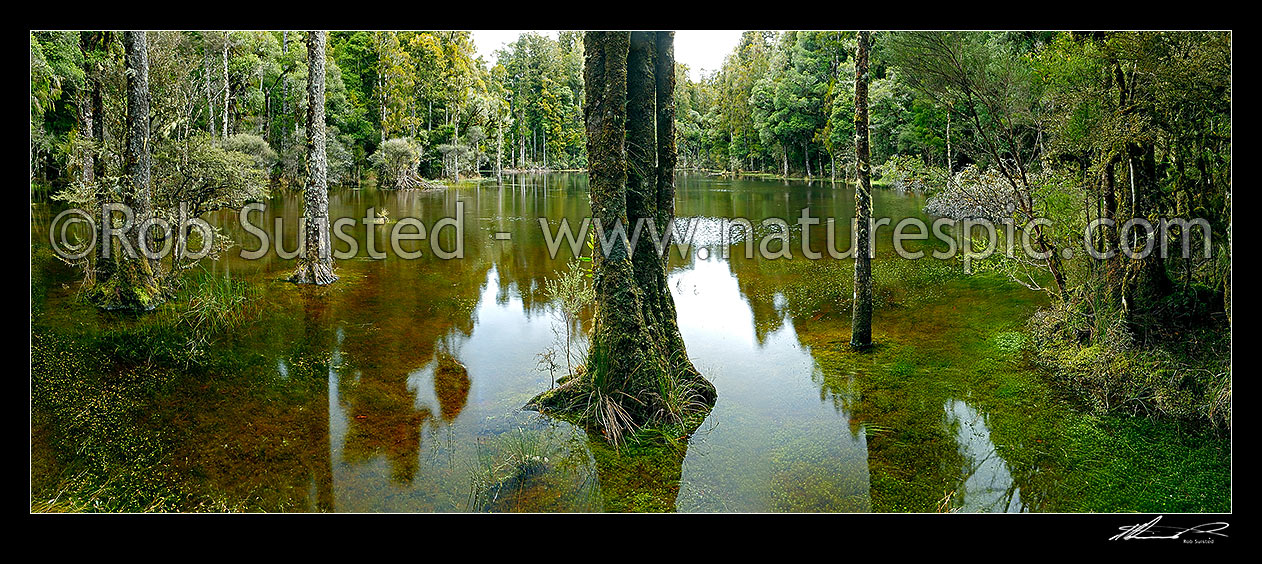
(227, 86)
(455, 141)
(131, 282)
(91, 127)
(499, 151)
(642, 178)
(667, 318)
(84, 101)
(98, 111)
(139, 160)
(284, 101)
(806, 157)
(633, 376)
(1151, 275)
(950, 162)
(315, 266)
(1112, 274)
(861, 322)
(620, 335)
(211, 123)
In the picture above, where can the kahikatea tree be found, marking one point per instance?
(637, 371)
(315, 266)
(861, 320)
(130, 281)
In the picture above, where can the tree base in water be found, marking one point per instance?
(313, 273)
(130, 288)
(673, 411)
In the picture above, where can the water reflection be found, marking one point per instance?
(399, 388)
(985, 484)
(768, 444)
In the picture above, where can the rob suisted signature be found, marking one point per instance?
(1151, 530)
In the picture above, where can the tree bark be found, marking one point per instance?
(950, 162)
(130, 282)
(87, 128)
(667, 154)
(227, 85)
(636, 362)
(806, 157)
(211, 123)
(861, 321)
(98, 110)
(499, 151)
(620, 334)
(91, 126)
(1152, 275)
(284, 100)
(315, 266)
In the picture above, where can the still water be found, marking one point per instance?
(399, 388)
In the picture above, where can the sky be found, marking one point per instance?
(701, 50)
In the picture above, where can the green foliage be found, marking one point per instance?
(905, 172)
(207, 175)
(217, 303)
(396, 161)
(56, 65)
(542, 82)
(1102, 362)
(254, 146)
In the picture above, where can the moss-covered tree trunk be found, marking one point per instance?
(637, 371)
(1150, 282)
(131, 282)
(667, 318)
(315, 266)
(622, 361)
(861, 320)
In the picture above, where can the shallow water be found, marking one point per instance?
(399, 388)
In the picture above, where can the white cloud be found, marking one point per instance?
(701, 50)
(704, 50)
(488, 41)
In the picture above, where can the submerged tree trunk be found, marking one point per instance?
(861, 321)
(130, 281)
(637, 371)
(315, 266)
(621, 358)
